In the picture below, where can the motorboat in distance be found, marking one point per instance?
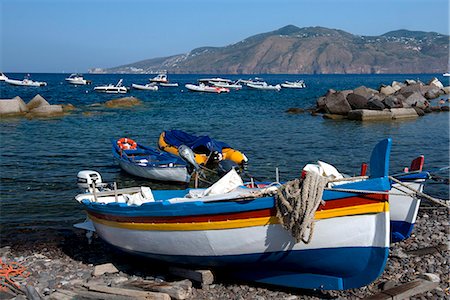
(299, 84)
(77, 79)
(25, 82)
(221, 82)
(160, 78)
(146, 87)
(3, 77)
(112, 89)
(201, 87)
(262, 85)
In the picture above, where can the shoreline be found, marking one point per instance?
(66, 260)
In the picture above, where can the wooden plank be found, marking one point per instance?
(429, 250)
(128, 292)
(405, 291)
(201, 276)
(179, 290)
(87, 295)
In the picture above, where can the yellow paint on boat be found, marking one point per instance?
(230, 224)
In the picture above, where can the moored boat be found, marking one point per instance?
(264, 86)
(446, 74)
(112, 89)
(25, 82)
(168, 84)
(160, 78)
(3, 77)
(147, 162)
(299, 84)
(206, 88)
(147, 87)
(238, 230)
(206, 149)
(77, 79)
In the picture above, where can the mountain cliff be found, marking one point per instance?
(310, 50)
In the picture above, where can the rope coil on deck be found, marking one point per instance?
(296, 202)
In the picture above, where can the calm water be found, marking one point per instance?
(40, 159)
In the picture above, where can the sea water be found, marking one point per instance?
(40, 158)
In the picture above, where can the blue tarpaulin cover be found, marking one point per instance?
(199, 144)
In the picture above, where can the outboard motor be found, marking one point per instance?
(88, 179)
(188, 155)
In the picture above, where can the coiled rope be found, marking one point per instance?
(296, 202)
(7, 273)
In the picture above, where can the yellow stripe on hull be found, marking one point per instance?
(230, 224)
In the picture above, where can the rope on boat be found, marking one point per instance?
(432, 199)
(296, 202)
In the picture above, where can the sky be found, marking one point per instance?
(75, 35)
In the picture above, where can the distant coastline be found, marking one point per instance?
(309, 50)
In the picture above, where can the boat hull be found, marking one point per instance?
(404, 209)
(206, 89)
(145, 87)
(25, 83)
(175, 173)
(264, 87)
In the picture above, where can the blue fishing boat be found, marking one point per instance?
(147, 162)
(238, 229)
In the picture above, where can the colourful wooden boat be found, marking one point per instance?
(239, 231)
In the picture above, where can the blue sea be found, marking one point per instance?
(40, 158)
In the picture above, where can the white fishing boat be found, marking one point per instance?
(299, 84)
(446, 74)
(146, 87)
(25, 82)
(206, 88)
(112, 89)
(160, 78)
(77, 79)
(3, 77)
(264, 86)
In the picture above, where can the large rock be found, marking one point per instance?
(14, 106)
(37, 101)
(46, 111)
(409, 89)
(416, 99)
(357, 101)
(397, 85)
(446, 89)
(433, 93)
(387, 90)
(337, 104)
(410, 82)
(393, 102)
(404, 113)
(365, 92)
(123, 102)
(436, 83)
(375, 104)
(370, 115)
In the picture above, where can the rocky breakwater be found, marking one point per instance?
(390, 102)
(37, 107)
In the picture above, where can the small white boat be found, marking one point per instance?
(146, 87)
(221, 82)
(205, 88)
(3, 77)
(25, 82)
(168, 84)
(112, 89)
(264, 86)
(162, 77)
(446, 74)
(77, 79)
(299, 84)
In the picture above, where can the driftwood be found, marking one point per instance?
(62, 294)
(405, 291)
(201, 276)
(127, 292)
(178, 290)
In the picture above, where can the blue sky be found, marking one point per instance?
(74, 35)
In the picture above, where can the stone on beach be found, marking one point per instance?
(337, 104)
(46, 111)
(357, 101)
(123, 102)
(104, 268)
(387, 90)
(416, 99)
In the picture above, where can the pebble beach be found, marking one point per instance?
(67, 262)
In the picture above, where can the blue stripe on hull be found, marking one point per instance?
(326, 269)
(400, 230)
